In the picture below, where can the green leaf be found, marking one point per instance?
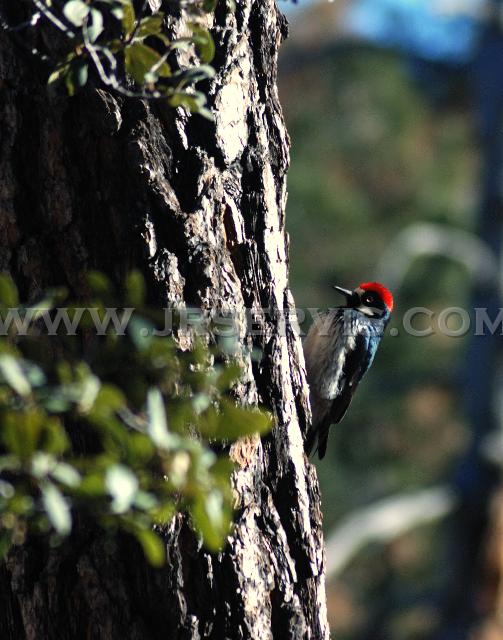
(145, 501)
(96, 27)
(163, 513)
(8, 292)
(179, 467)
(243, 421)
(212, 519)
(80, 73)
(141, 60)
(228, 375)
(10, 463)
(36, 376)
(66, 474)
(157, 423)
(200, 402)
(109, 400)
(153, 546)
(92, 486)
(57, 508)
(129, 19)
(55, 437)
(49, 300)
(56, 400)
(221, 471)
(193, 102)
(117, 12)
(233, 422)
(184, 44)
(13, 375)
(75, 11)
(135, 289)
(122, 485)
(21, 504)
(204, 42)
(6, 490)
(141, 332)
(150, 26)
(88, 392)
(141, 447)
(42, 463)
(206, 113)
(99, 283)
(21, 430)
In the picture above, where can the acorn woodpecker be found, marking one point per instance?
(339, 348)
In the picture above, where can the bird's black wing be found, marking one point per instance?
(358, 360)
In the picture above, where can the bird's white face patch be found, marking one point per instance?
(371, 312)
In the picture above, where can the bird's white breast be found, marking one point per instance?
(327, 345)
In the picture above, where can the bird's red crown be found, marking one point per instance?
(386, 296)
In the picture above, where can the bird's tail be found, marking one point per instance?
(325, 413)
(317, 434)
(316, 440)
(310, 441)
(322, 442)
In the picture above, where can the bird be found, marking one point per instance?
(338, 350)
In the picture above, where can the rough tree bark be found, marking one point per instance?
(99, 182)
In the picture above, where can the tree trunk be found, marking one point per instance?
(98, 182)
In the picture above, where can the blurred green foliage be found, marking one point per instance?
(370, 157)
(116, 428)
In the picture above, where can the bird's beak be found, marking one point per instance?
(345, 292)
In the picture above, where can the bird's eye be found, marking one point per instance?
(368, 298)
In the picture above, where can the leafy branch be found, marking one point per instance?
(128, 51)
(104, 425)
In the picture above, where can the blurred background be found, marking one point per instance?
(394, 111)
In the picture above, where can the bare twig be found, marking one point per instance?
(52, 18)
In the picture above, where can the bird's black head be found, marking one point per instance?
(370, 298)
